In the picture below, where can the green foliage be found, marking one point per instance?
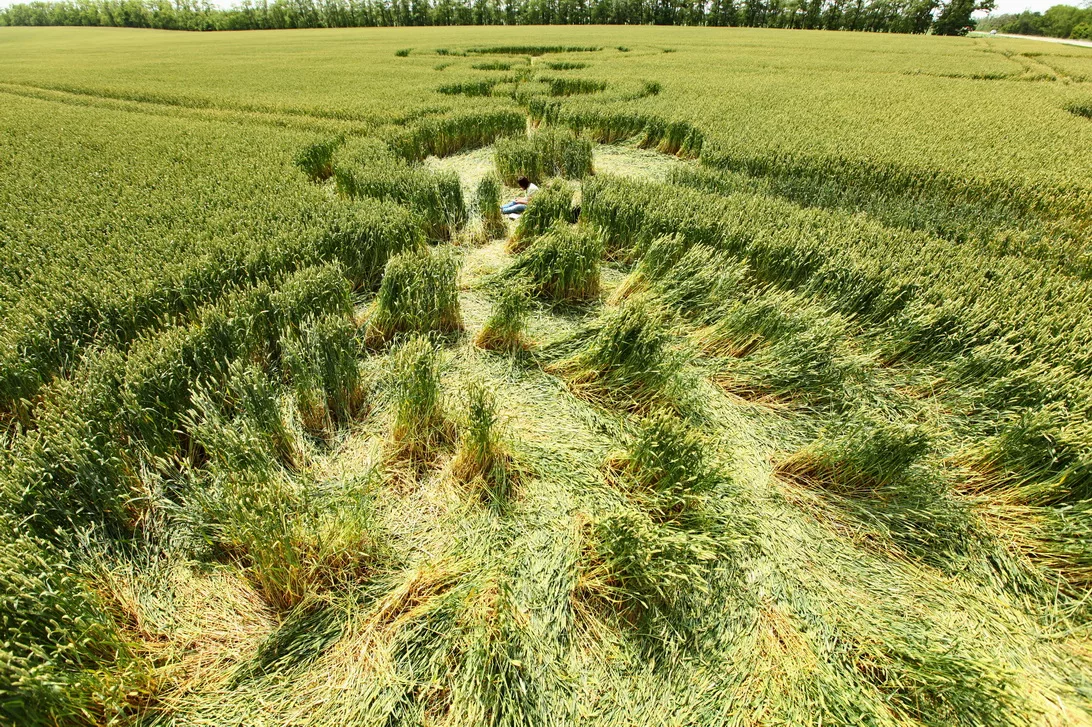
(418, 295)
(846, 271)
(1060, 542)
(1059, 21)
(867, 455)
(597, 123)
(74, 469)
(604, 124)
(954, 18)
(176, 312)
(202, 237)
(647, 573)
(498, 655)
(482, 87)
(321, 288)
(492, 66)
(565, 65)
(80, 464)
(1080, 108)
(561, 265)
(146, 14)
(364, 235)
(543, 154)
(532, 50)
(161, 369)
(928, 204)
(251, 400)
(1041, 456)
(696, 280)
(241, 429)
(675, 137)
(787, 348)
(573, 86)
(292, 547)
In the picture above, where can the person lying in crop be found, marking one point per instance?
(519, 204)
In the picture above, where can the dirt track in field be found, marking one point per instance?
(1066, 41)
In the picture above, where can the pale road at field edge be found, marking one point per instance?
(1067, 41)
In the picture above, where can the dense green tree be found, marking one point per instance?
(955, 17)
(1060, 21)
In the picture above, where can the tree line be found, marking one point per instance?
(889, 16)
(1060, 21)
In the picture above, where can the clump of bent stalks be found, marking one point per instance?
(72, 656)
(489, 209)
(418, 295)
(241, 425)
(627, 361)
(665, 466)
(369, 169)
(789, 349)
(320, 360)
(1032, 481)
(363, 235)
(562, 265)
(291, 547)
(874, 470)
(694, 279)
(659, 256)
(482, 457)
(755, 320)
(444, 135)
(862, 457)
(543, 154)
(472, 648)
(317, 160)
(291, 543)
(814, 365)
(644, 572)
(552, 203)
(498, 655)
(252, 395)
(1038, 457)
(504, 329)
(419, 425)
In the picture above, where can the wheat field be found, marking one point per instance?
(773, 408)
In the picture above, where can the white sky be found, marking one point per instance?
(1017, 6)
